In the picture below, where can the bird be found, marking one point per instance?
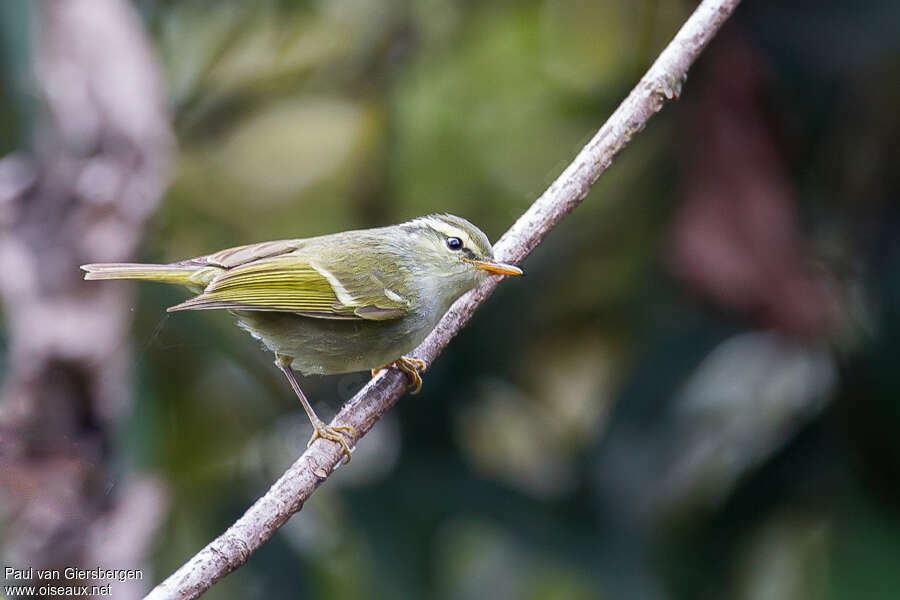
(338, 303)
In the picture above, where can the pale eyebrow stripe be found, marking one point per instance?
(449, 231)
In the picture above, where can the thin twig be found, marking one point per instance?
(661, 83)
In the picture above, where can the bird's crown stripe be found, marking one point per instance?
(447, 229)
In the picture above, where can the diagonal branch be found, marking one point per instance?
(287, 495)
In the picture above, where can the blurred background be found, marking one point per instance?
(695, 393)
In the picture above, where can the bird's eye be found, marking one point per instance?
(454, 243)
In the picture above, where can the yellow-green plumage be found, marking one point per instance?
(343, 302)
(337, 303)
(160, 273)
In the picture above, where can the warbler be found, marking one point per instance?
(349, 301)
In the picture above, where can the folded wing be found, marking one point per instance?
(294, 283)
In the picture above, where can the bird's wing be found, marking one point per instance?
(241, 255)
(296, 283)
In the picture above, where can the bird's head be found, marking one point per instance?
(454, 252)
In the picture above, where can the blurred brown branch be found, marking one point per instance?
(661, 83)
(736, 239)
(94, 173)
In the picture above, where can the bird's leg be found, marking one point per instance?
(413, 367)
(320, 429)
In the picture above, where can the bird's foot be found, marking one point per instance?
(413, 367)
(333, 433)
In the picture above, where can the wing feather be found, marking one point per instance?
(292, 283)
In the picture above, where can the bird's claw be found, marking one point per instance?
(333, 433)
(413, 367)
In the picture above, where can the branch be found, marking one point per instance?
(661, 83)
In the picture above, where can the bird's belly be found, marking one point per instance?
(328, 346)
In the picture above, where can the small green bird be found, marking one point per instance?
(337, 303)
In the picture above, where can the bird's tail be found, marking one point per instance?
(179, 274)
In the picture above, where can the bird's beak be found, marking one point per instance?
(495, 267)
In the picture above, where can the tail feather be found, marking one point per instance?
(184, 275)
